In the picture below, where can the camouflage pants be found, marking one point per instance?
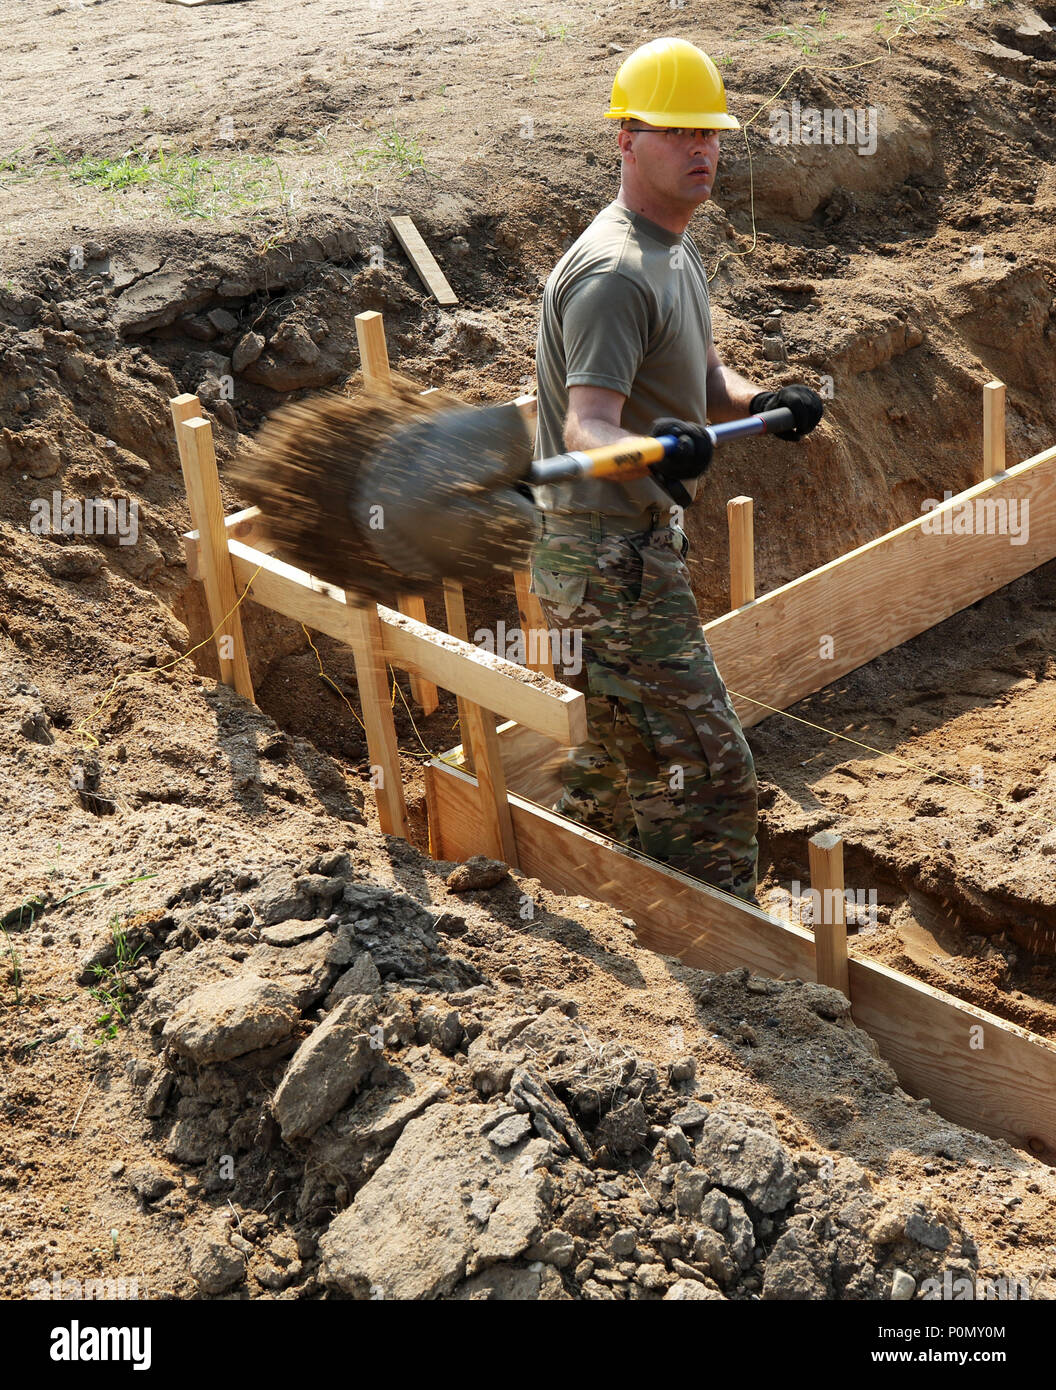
(666, 767)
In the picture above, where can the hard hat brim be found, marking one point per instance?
(693, 120)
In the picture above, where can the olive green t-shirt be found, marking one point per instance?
(626, 308)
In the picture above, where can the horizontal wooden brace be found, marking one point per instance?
(452, 664)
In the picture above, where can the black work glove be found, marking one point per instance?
(692, 455)
(806, 407)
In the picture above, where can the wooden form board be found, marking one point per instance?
(423, 260)
(1000, 1080)
(882, 594)
(455, 665)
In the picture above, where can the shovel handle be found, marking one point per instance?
(632, 457)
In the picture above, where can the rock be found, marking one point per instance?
(790, 1270)
(36, 726)
(307, 968)
(685, 1069)
(362, 978)
(325, 1070)
(511, 1131)
(728, 1216)
(149, 1183)
(623, 1242)
(156, 1093)
(373, 1123)
(903, 1286)
(40, 456)
(290, 933)
(556, 1248)
(690, 1116)
(491, 1072)
(73, 561)
(230, 1018)
(684, 1290)
(409, 1234)
(476, 873)
(932, 1235)
(215, 1266)
(747, 1160)
(689, 1192)
(773, 348)
(510, 1283)
(222, 320)
(442, 1029)
(159, 299)
(829, 1003)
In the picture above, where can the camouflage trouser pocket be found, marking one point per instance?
(561, 594)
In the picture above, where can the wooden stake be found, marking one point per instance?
(377, 378)
(194, 438)
(830, 927)
(538, 652)
(423, 260)
(364, 637)
(993, 429)
(496, 822)
(423, 692)
(742, 551)
(373, 353)
(455, 607)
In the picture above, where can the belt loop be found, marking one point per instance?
(597, 528)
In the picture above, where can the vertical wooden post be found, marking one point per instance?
(496, 823)
(993, 429)
(377, 378)
(366, 643)
(538, 655)
(825, 851)
(194, 439)
(455, 607)
(373, 352)
(742, 551)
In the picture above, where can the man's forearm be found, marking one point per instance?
(729, 394)
(590, 432)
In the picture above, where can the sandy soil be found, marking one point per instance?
(907, 279)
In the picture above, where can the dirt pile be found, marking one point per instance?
(342, 1090)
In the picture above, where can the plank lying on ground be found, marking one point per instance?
(1001, 1080)
(423, 260)
(454, 665)
(882, 594)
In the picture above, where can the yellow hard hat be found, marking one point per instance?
(670, 82)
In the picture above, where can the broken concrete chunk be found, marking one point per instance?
(230, 1018)
(747, 1161)
(410, 1233)
(324, 1071)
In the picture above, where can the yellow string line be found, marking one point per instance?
(81, 727)
(410, 716)
(331, 683)
(894, 757)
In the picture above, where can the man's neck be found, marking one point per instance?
(673, 219)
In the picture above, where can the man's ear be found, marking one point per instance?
(625, 140)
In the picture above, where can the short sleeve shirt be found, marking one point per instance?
(626, 308)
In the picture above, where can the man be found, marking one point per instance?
(625, 347)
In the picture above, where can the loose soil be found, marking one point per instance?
(237, 243)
